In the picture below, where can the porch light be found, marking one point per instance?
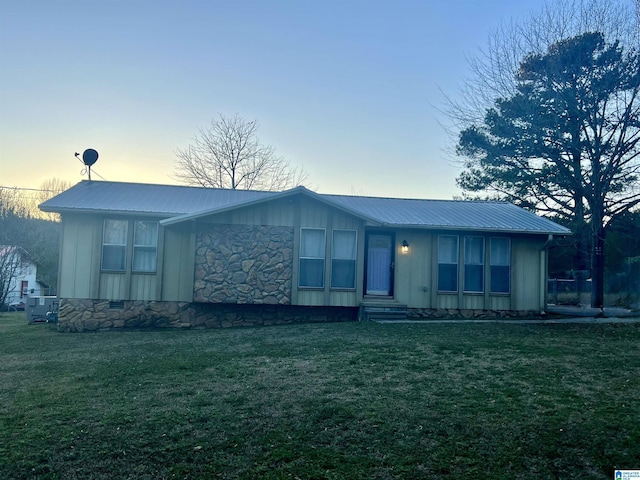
(405, 246)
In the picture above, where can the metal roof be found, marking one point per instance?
(450, 214)
(180, 203)
(142, 198)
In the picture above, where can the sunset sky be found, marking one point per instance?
(350, 90)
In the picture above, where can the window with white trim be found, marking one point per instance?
(343, 259)
(500, 264)
(145, 246)
(312, 255)
(448, 263)
(474, 264)
(114, 245)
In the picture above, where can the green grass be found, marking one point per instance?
(334, 401)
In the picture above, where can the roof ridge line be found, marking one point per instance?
(453, 200)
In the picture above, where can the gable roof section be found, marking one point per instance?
(300, 190)
(179, 203)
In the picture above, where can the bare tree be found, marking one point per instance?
(24, 201)
(228, 154)
(13, 261)
(493, 70)
(48, 189)
(23, 227)
(15, 201)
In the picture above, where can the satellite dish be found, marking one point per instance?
(89, 157)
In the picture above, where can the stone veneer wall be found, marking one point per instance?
(80, 315)
(244, 264)
(467, 314)
(83, 315)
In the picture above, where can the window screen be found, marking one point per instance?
(447, 263)
(343, 259)
(500, 265)
(114, 245)
(145, 246)
(312, 254)
(474, 264)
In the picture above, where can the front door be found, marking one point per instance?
(379, 273)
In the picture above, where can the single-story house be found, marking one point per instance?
(135, 255)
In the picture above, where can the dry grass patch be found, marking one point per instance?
(345, 400)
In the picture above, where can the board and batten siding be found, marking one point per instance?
(80, 274)
(178, 264)
(279, 213)
(79, 265)
(144, 286)
(113, 286)
(125, 286)
(527, 276)
(413, 269)
(416, 275)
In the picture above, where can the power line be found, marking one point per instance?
(27, 189)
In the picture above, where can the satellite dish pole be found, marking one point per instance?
(89, 157)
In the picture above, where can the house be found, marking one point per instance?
(18, 272)
(137, 255)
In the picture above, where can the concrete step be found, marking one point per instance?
(379, 312)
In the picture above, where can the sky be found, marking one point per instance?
(351, 90)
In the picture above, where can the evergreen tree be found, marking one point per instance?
(567, 142)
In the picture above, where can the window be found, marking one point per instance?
(115, 241)
(447, 263)
(343, 259)
(145, 241)
(312, 248)
(474, 264)
(114, 245)
(500, 263)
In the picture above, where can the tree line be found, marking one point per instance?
(24, 226)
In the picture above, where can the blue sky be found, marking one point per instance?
(350, 90)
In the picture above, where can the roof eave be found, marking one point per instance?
(477, 229)
(130, 213)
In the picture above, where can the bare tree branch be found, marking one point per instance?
(493, 69)
(228, 154)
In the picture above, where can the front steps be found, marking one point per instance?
(377, 311)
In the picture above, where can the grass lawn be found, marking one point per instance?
(334, 401)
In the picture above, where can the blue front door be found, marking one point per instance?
(379, 264)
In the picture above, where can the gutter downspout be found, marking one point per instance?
(544, 265)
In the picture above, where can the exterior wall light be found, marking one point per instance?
(405, 246)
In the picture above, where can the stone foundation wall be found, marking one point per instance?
(433, 314)
(244, 264)
(79, 315)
